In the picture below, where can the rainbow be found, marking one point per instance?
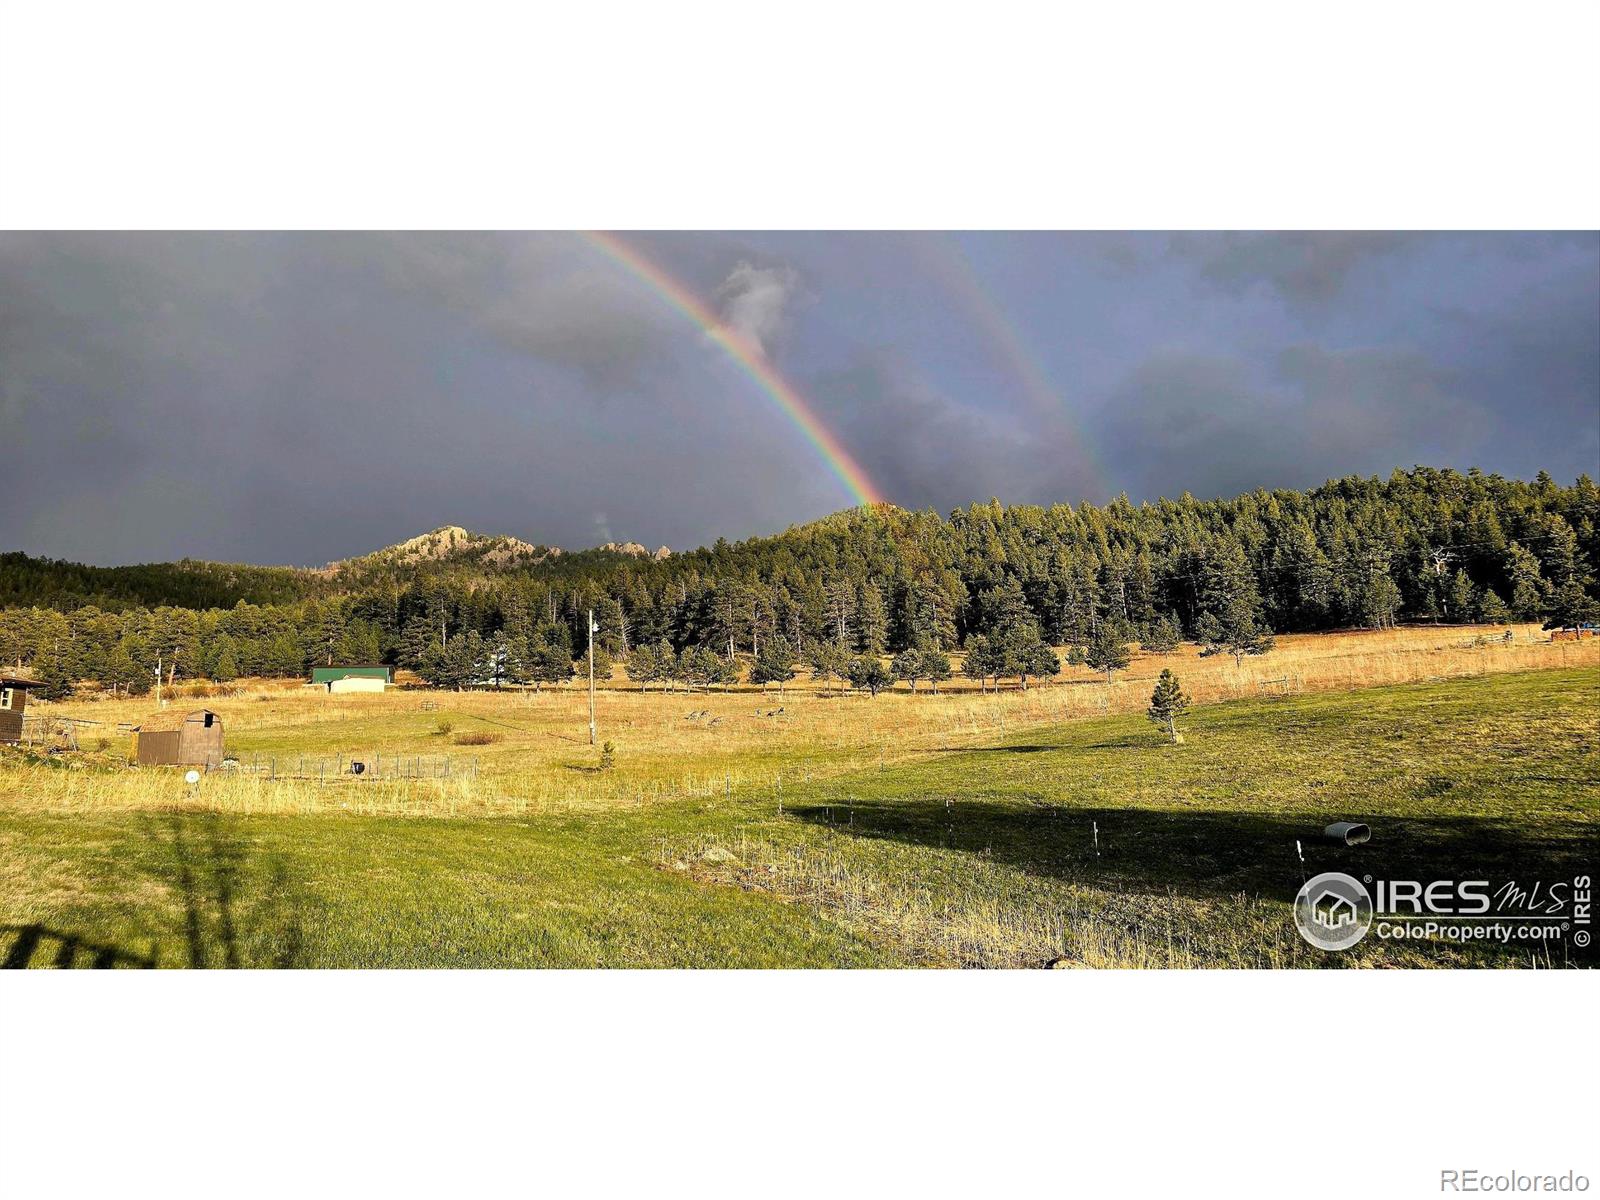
(942, 254)
(751, 359)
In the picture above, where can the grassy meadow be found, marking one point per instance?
(813, 829)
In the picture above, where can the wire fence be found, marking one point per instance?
(355, 767)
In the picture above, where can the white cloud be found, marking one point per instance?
(755, 303)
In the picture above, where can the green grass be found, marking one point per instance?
(980, 857)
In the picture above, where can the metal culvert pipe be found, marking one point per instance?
(1348, 833)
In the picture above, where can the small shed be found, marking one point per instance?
(381, 671)
(13, 700)
(179, 739)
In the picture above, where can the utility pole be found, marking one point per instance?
(158, 679)
(592, 628)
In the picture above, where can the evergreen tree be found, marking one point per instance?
(549, 663)
(1026, 657)
(1491, 610)
(1021, 651)
(417, 638)
(1353, 551)
(226, 665)
(931, 615)
(55, 675)
(1163, 635)
(514, 655)
(827, 660)
(775, 664)
(871, 621)
(1571, 606)
(1106, 652)
(907, 665)
(459, 663)
(935, 665)
(1460, 597)
(1167, 703)
(983, 660)
(1527, 584)
(127, 666)
(1243, 632)
(867, 671)
(723, 671)
(647, 664)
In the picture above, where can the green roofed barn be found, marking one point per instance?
(353, 677)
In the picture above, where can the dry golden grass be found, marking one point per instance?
(677, 744)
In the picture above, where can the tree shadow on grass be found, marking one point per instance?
(1213, 855)
(235, 906)
(39, 945)
(239, 907)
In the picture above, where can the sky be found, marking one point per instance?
(297, 398)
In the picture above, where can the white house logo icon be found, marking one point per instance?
(1333, 911)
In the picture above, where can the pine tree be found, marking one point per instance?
(871, 622)
(1163, 635)
(935, 665)
(1167, 703)
(775, 664)
(647, 664)
(417, 637)
(1527, 584)
(907, 665)
(983, 660)
(827, 660)
(55, 675)
(1243, 631)
(548, 663)
(226, 667)
(867, 671)
(514, 656)
(1571, 606)
(1460, 597)
(1491, 610)
(1107, 651)
(1031, 657)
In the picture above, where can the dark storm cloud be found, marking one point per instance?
(1218, 426)
(1303, 268)
(921, 446)
(291, 397)
(547, 296)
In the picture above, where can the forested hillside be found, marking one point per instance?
(51, 583)
(1421, 545)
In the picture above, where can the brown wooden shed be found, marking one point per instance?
(13, 700)
(179, 739)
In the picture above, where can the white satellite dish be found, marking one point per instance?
(192, 778)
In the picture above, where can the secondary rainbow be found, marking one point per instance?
(943, 255)
(750, 359)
